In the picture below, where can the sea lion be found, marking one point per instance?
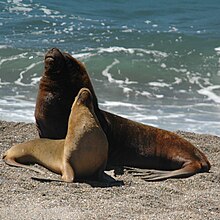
(130, 143)
(83, 153)
(86, 145)
(56, 92)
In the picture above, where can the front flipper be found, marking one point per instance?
(12, 162)
(67, 173)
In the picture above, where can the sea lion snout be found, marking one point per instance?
(54, 61)
(84, 97)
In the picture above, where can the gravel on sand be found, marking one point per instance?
(196, 197)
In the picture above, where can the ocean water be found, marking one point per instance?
(156, 62)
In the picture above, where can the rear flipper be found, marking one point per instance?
(12, 162)
(158, 175)
(68, 174)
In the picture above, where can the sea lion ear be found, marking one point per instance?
(72, 63)
(69, 61)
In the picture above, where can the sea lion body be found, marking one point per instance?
(130, 143)
(134, 144)
(87, 154)
(82, 154)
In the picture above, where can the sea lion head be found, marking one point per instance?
(54, 63)
(61, 66)
(85, 98)
(77, 73)
(61, 82)
(81, 106)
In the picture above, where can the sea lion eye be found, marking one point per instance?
(69, 63)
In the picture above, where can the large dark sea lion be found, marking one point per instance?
(62, 79)
(83, 153)
(130, 143)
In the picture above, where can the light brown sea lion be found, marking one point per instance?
(83, 153)
(130, 143)
(86, 145)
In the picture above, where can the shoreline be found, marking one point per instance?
(196, 197)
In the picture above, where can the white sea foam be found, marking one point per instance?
(17, 115)
(127, 90)
(22, 55)
(83, 55)
(143, 93)
(209, 92)
(127, 31)
(46, 11)
(140, 117)
(147, 21)
(21, 75)
(107, 74)
(163, 65)
(172, 29)
(159, 84)
(159, 96)
(18, 6)
(177, 80)
(181, 70)
(16, 108)
(3, 83)
(136, 51)
(217, 49)
(128, 82)
(132, 51)
(113, 104)
(20, 9)
(4, 46)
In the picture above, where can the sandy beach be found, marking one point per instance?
(21, 197)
